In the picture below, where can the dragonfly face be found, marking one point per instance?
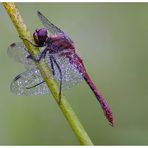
(40, 36)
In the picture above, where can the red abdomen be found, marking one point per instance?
(78, 63)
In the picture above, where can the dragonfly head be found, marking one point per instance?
(40, 36)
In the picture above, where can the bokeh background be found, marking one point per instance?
(112, 39)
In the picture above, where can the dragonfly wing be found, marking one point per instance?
(27, 82)
(24, 82)
(51, 27)
(70, 75)
(18, 52)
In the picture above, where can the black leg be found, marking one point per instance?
(60, 71)
(52, 66)
(35, 85)
(35, 45)
(31, 57)
(42, 55)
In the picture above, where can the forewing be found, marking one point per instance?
(18, 52)
(24, 82)
(51, 27)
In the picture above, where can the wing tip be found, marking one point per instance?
(13, 45)
(39, 13)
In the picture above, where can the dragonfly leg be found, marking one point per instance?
(35, 85)
(60, 71)
(42, 55)
(31, 57)
(52, 66)
(35, 45)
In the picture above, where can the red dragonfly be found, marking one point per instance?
(59, 52)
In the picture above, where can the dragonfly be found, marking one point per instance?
(59, 52)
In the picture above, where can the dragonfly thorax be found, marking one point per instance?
(40, 36)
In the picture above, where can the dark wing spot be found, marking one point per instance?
(17, 77)
(39, 13)
(13, 45)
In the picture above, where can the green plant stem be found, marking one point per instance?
(46, 74)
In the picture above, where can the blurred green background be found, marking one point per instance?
(112, 39)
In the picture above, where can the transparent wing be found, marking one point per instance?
(22, 84)
(70, 75)
(51, 27)
(18, 52)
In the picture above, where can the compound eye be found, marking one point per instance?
(35, 36)
(42, 32)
